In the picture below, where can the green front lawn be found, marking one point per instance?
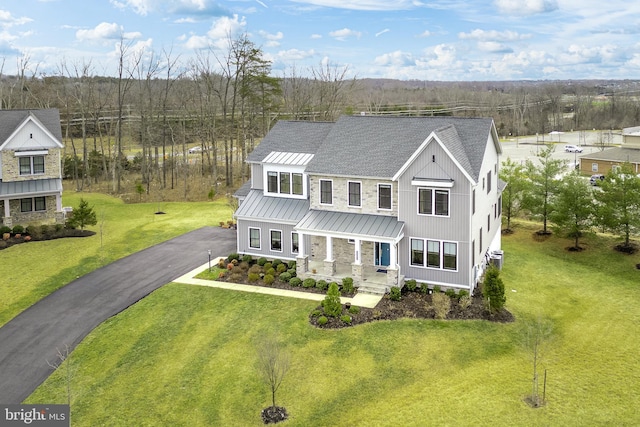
(31, 271)
(186, 355)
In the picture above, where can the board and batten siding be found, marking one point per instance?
(454, 228)
(265, 242)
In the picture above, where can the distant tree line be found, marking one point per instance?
(144, 119)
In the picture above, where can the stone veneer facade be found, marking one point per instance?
(11, 166)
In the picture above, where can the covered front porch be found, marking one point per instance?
(363, 247)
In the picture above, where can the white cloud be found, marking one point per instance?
(218, 36)
(7, 20)
(397, 59)
(379, 33)
(493, 47)
(344, 33)
(185, 7)
(316, 36)
(273, 40)
(364, 4)
(525, 7)
(425, 33)
(295, 54)
(105, 31)
(493, 35)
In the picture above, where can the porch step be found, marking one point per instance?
(372, 289)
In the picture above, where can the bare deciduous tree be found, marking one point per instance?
(273, 363)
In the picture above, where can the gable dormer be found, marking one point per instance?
(284, 174)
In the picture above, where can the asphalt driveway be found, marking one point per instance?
(66, 316)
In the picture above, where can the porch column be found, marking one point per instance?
(356, 266)
(329, 262)
(7, 211)
(393, 277)
(393, 255)
(58, 203)
(302, 260)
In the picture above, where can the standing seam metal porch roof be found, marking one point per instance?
(30, 188)
(355, 224)
(259, 207)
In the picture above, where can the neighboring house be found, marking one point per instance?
(602, 162)
(30, 167)
(378, 199)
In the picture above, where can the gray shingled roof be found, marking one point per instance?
(374, 146)
(243, 191)
(11, 119)
(631, 155)
(32, 187)
(362, 225)
(258, 207)
(291, 136)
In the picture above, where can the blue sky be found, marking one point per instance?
(404, 39)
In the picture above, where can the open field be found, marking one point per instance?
(30, 271)
(186, 355)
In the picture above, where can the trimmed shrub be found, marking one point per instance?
(346, 319)
(465, 301)
(5, 229)
(235, 262)
(292, 272)
(222, 263)
(424, 288)
(316, 313)
(58, 227)
(309, 283)
(236, 277)
(18, 229)
(295, 281)
(244, 266)
(267, 265)
(281, 268)
(322, 320)
(437, 289)
(322, 284)
(354, 310)
(255, 269)
(276, 262)
(284, 277)
(253, 277)
(441, 305)
(270, 271)
(451, 293)
(292, 264)
(347, 285)
(262, 261)
(395, 294)
(331, 303)
(247, 258)
(411, 285)
(237, 269)
(268, 279)
(34, 231)
(463, 293)
(233, 256)
(493, 289)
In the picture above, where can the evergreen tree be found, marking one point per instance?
(493, 289)
(82, 216)
(332, 305)
(574, 207)
(513, 174)
(543, 177)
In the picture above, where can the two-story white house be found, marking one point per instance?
(30, 167)
(378, 199)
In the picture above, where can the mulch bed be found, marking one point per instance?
(274, 414)
(25, 238)
(413, 305)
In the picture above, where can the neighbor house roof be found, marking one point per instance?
(631, 155)
(257, 206)
(11, 119)
(375, 146)
(291, 136)
(354, 224)
(31, 187)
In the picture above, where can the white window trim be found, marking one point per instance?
(378, 198)
(259, 238)
(31, 165)
(425, 254)
(271, 241)
(320, 192)
(348, 194)
(277, 193)
(33, 204)
(433, 202)
(594, 167)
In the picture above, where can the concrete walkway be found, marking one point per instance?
(360, 299)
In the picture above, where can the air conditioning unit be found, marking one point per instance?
(497, 258)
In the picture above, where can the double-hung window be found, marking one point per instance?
(297, 184)
(355, 194)
(295, 242)
(441, 255)
(254, 238)
(384, 196)
(326, 192)
(433, 202)
(276, 240)
(34, 204)
(272, 182)
(31, 165)
(285, 183)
